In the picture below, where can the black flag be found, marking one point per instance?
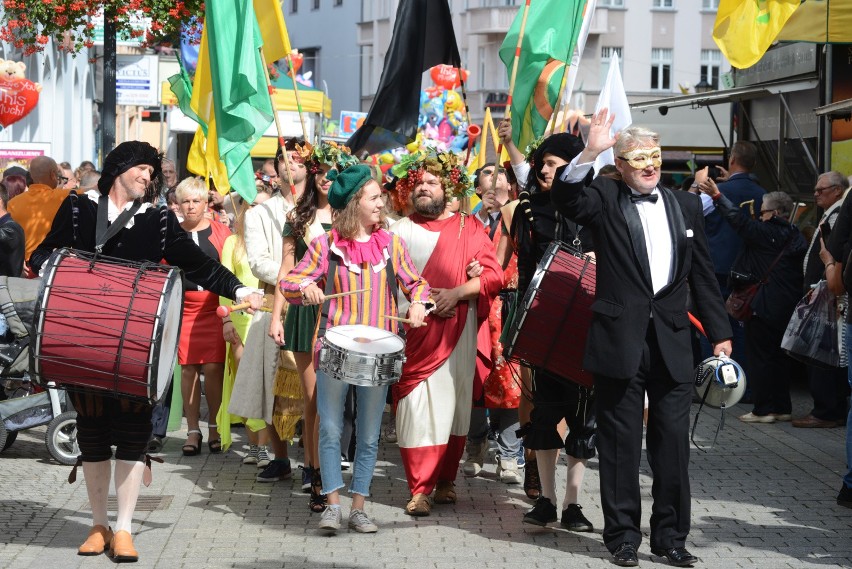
(423, 37)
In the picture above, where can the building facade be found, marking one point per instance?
(666, 47)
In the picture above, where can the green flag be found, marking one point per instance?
(241, 101)
(181, 86)
(549, 38)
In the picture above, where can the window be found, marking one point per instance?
(611, 3)
(663, 4)
(338, 3)
(316, 5)
(661, 69)
(711, 61)
(294, 6)
(606, 56)
(709, 4)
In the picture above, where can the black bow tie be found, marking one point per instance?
(636, 198)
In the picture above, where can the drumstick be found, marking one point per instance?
(339, 294)
(223, 311)
(402, 320)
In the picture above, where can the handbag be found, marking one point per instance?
(738, 303)
(812, 333)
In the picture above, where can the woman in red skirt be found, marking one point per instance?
(202, 347)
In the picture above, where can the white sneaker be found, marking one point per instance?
(475, 458)
(251, 457)
(262, 457)
(358, 521)
(390, 432)
(507, 471)
(331, 519)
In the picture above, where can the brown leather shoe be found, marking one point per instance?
(121, 549)
(97, 542)
(419, 505)
(445, 492)
(811, 422)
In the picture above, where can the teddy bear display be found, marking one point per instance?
(18, 95)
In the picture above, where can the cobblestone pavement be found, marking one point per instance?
(764, 497)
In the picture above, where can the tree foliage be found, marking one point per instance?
(30, 24)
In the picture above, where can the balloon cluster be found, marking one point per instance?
(442, 126)
(442, 117)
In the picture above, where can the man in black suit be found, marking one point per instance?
(650, 245)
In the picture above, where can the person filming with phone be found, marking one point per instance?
(772, 253)
(829, 387)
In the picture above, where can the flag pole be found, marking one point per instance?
(512, 86)
(580, 46)
(292, 74)
(281, 142)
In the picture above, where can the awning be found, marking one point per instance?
(839, 110)
(729, 95)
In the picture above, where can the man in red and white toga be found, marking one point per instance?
(448, 360)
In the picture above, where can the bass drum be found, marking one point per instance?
(107, 325)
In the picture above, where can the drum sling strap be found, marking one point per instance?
(106, 231)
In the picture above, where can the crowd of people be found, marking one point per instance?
(334, 245)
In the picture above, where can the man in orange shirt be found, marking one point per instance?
(35, 208)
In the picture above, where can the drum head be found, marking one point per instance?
(364, 339)
(164, 344)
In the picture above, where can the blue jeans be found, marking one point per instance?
(369, 406)
(848, 478)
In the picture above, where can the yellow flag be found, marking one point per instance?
(820, 21)
(745, 29)
(204, 157)
(273, 30)
(489, 131)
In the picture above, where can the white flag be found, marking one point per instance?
(613, 98)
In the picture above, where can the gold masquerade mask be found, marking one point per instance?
(641, 158)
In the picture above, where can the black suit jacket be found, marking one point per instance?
(625, 299)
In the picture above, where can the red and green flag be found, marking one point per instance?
(549, 39)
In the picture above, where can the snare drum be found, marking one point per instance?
(108, 325)
(552, 322)
(362, 355)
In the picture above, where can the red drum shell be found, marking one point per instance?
(108, 325)
(553, 320)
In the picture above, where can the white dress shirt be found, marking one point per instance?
(655, 227)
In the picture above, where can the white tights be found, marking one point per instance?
(128, 478)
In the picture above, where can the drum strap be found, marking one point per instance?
(106, 231)
(329, 286)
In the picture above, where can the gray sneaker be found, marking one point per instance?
(251, 457)
(263, 459)
(331, 519)
(358, 521)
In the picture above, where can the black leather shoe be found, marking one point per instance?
(677, 556)
(625, 555)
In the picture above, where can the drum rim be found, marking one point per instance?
(173, 278)
(325, 343)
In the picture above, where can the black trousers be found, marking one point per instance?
(829, 388)
(768, 367)
(620, 405)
